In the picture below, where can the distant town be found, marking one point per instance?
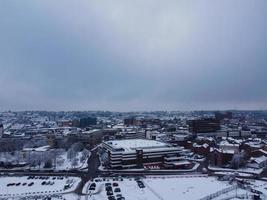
(133, 155)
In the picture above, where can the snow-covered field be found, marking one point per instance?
(63, 163)
(59, 159)
(160, 187)
(19, 187)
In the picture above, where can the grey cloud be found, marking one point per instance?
(133, 55)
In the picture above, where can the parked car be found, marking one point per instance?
(111, 198)
(109, 192)
(117, 190)
(108, 188)
(115, 184)
(140, 184)
(93, 184)
(92, 187)
(67, 186)
(30, 184)
(107, 184)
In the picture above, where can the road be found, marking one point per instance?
(92, 171)
(93, 164)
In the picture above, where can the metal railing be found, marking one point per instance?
(216, 194)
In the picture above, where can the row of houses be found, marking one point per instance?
(254, 151)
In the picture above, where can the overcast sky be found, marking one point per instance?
(133, 55)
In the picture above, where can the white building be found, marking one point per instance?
(137, 152)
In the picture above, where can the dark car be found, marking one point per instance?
(30, 184)
(93, 184)
(111, 198)
(107, 184)
(67, 186)
(115, 184)
(109, 192)
(108, 188)
(117, 190)
(92, 187)
(140, 184)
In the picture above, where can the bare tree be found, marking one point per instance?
(238, 160)
(71, 154)
(74, 162)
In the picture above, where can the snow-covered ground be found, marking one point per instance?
(259, 186)
(245, 175)
(162, 188)
(191, 187)
(18, 187)
(59, 159)
(65, 164)
(240, 170)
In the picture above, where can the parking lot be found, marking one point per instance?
(154, 187)
(23, 186)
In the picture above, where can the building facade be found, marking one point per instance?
(135, 153)
(206, 125)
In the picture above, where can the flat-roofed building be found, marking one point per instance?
(134, 134)
(205, 125)
(137, 152)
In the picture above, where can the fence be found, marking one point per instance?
(216, 194)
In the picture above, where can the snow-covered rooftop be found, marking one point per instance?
(132, 144)
(42, 148)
